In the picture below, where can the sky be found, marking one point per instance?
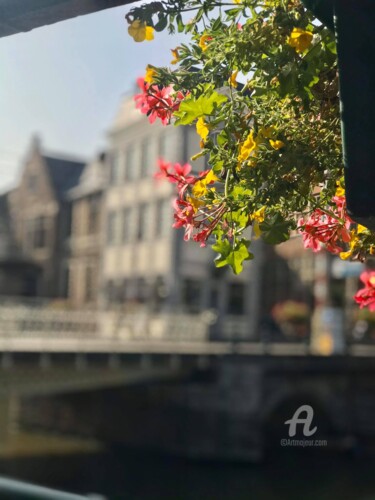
(64, 82)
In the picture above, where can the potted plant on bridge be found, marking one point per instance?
(293, 317)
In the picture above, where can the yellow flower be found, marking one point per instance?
(361, 229)
(200, 187)
(248, 147)
(140, 31)
(256, 229)
(352, 245)
(259, 214)
(267, 132)
(340, 191)
(204, 39)
(237, 1)
(300, 39)
(211, 177)
(150, 73)
(176, 55)
(232, 80)
(257, 218)
(194, 202)
(346, 255)
(277, 144)
(354, 241)
(202, 128)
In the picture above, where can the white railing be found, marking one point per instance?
(235, 327)
(29, 321)
(38, 321)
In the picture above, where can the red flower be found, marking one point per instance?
(180, 176)
(198, 219)
(366, 295)
(331, 230)
(184, 217)
(202, 236)
(163, 172)
(157, 102)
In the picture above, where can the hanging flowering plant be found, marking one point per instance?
(259, 82)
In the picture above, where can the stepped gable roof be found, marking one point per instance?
(64, 173)
(92, 179)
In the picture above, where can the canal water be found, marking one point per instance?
(134, 475)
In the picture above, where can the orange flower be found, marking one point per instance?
(204, 39)
(176, 55)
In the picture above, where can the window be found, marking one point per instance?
(127, 224)
(114, 292)
(144, 222)
(68, 226)
(115, 168)
(40, 235)
(236, 298)
(130, 164)
(89, 283)
(93, 215)
(29, 235)
(214, 296)
(146, 160)
(142, 288)
(65, 282)
(110, 291)
(125, 289)
(163, 218)
(111, 228)
(191, 295)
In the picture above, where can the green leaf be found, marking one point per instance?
(217, 24)
(223, 248)
(180, 24)
(191, 108)
(233, 12)
(222, 138)
(275, 230)
(288, 79)
(234, 257)
(162, 23)
(331, 46)
(238, 217)
(239, 191)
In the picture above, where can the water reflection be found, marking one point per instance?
(127, 474)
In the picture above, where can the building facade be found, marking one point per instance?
(40, 213)
(145, 262)
(19, 275)
(85, 238)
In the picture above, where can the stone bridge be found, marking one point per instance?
(233, 407)
(159, 382)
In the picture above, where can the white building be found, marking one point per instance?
(145, 263)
